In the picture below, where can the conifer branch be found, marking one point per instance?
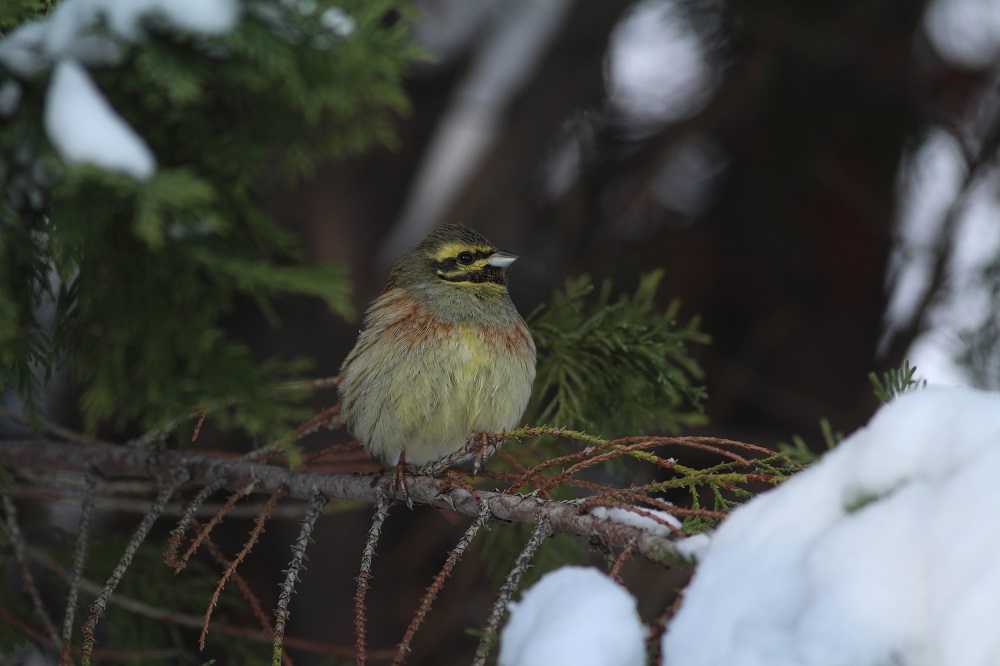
(287, 587)
(100, 604)
(616, 569)
(230, 567)
(177, 534)
(174, 617)
(215, 520)
(17, 539)
(79, 559)
(122, 461)
(484, 516)
(542, 531)
(248, 595)
(365, 575)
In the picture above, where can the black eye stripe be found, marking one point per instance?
(452, 263)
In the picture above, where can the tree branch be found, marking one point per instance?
(120, 461)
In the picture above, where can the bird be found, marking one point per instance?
(443, 356)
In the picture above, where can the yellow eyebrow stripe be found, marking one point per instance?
(450, 250)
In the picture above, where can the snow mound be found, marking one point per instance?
(883, 552)
(574, 615)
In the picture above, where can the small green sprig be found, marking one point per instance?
(895, 382)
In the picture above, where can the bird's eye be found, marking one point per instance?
(466, 258)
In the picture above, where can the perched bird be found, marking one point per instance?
(443, 356)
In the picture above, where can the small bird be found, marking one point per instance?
(443, 358)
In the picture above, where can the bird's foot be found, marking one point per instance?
(484, 444)
(398, 481)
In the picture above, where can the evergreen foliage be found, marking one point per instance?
(613, 366)
(15, 12)
(126, 282)
(895, 382)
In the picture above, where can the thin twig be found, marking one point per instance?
(288, 511)
(176, 537)
(196, 432)
(287, 588)
(216, 519)
(310, 384)
(659, 625)
(17, 539)
(79, 560)
(329, 418)
(194, 622)
(42, 425)
(593, 460)
(435, 588)
(248, 595)
(365, 575)
(256, 609)
(160, 434)
(258, 529)
(100, 604)
(543, 530)
(626, 555)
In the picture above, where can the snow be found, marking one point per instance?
(694, 547)
(337, 21)
(91, 31)
(81, 124)
(574, 615)
(653, 33)
(85, 129)
(929, 183)
(883, 552)
(965, 32)
(644, 520)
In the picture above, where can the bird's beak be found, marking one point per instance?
(501, 259)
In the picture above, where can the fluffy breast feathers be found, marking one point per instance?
(417, 383)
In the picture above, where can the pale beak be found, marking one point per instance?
(501, 259)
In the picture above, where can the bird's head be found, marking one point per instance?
(455, 256)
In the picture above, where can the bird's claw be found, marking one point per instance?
(398, 481)
(480, 442)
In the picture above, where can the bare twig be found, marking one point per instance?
(17, 539)
(252, 601)
(543, 530)
(79, 559)
(177, 534)
(287, 588)
(427, 600)
(231, 566)
(100, 604)
(194, 622)
(42, 425)
(216, 519)
(287, 511)
(365, 575)
(625, 556)
(310, 384)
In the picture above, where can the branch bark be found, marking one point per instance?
(120, 461)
